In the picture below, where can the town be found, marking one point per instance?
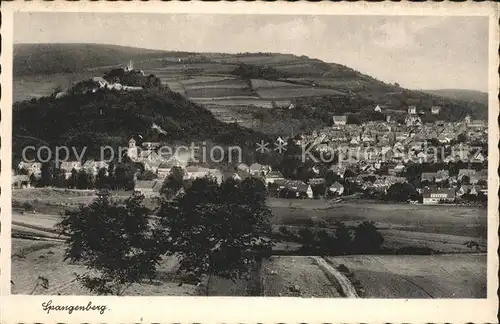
(429, 163)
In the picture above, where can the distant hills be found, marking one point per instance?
(35, 59)
(461, 94)
(271, 93)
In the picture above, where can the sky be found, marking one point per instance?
(418, 52)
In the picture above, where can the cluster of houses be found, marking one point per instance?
(377, 154)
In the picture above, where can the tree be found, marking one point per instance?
(173, 183)
(114, 242)
(353, 119)
(101, 180)
(367, 238)
(146, 175)
(73, 179)
(59, 178)
(47, 177)
(401, 192)
(83, 180)
(213, 233)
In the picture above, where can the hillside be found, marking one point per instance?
(110, 117)
(36, 59)
(255, 90)
(461, 94)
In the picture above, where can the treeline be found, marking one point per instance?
(133, 78)
(115, 177)
(363, 238)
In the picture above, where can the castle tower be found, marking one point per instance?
(130, 66)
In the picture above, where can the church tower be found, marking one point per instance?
(132, 149)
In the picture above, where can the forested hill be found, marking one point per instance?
(254, 89)
(461, 94)
(36, 59)
(109, 117)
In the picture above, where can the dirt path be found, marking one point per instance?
(333, 274)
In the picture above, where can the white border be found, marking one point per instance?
(27, 309)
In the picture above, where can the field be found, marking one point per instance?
(407, 276)
(47, 261)
(402, 276)
(441, 228)
(296, 277)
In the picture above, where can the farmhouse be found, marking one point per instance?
(339, 120)
(377, 109)
(438, 195)
(412, 110)
(435, 110)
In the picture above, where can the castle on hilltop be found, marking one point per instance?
(130, 68)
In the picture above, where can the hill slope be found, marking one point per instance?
(254, 89)
(35, 59)
(461, 94)
(106, 117)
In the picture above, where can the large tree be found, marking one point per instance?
(217, 230)
(114, 242)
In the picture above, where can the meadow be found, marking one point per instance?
(440, 228)
(411, 276)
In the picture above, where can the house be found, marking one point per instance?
(296, 187)
(442, 175)
(463, 190)
(336, 188)
(257, 169)
(32, 168)
(148, 188)
(466, 173)
(316, 181)
(272, 176)
(467, 119)
(399, 168)
(476, 124)
(21, 181)
(429, 176)
(165, 167)
(93, 167)
(216, 175)
(438, 195)
(377, 109)
(68, 166)
(243, 167)
(412, 110)
(151, 145)
(339, 120)
(194, 172)
(422, 157)
(435, 110)
(478, 158)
